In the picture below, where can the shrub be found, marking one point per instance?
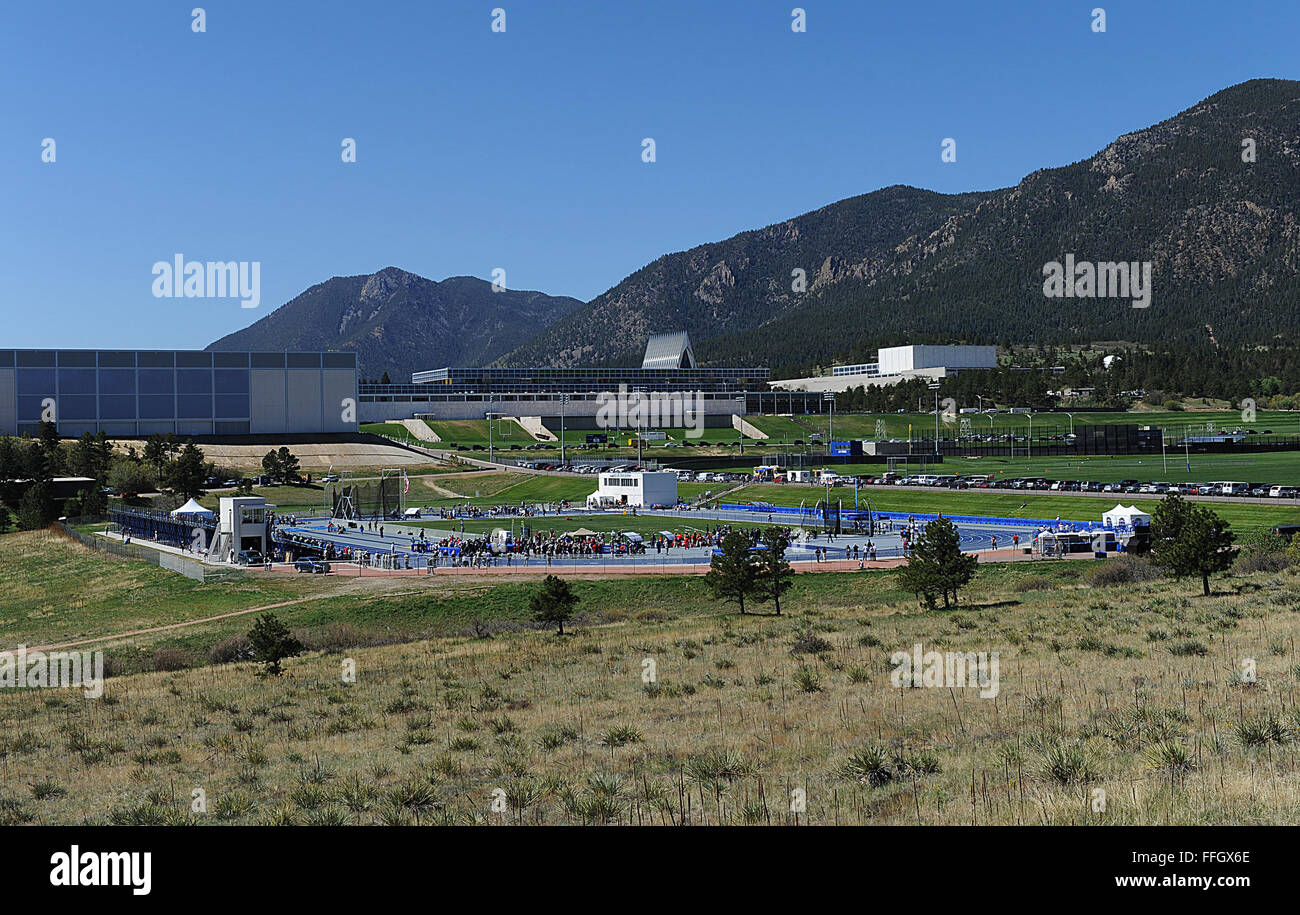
(227, 651)
(168, 659)
(807, 680)
(1262, 551)
(809, 643)
(1119, 571)
(1068, 764)
(872, 765)
(1259, 730)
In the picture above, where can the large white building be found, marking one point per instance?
(897, 363)
(639, 489)
(895, 360)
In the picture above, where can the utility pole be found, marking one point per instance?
(934, 386)
(829, 397)
(564, 399)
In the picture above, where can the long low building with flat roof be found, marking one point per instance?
(131, 393)
(896, 364)
(667, 368)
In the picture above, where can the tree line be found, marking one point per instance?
(164, 464)
(1270, 376)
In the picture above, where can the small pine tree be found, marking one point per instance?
(6, 519)
(773, 575)
(273, 642)
(49, 448)
(732, 574)
(937, 565)
(187, 473)
(289, 466)
(1190, 540)
(36, 508)
(553, 602)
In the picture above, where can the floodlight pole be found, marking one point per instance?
(564, 399)
(934, 386)
(829, 397)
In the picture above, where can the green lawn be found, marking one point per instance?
(1270, 466)
(56, 591)
(388, 430)
(863, 425)
(1001, 503)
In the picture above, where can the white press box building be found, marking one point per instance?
(639, 489)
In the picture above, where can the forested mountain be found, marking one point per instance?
(906, 265)
(398, 322)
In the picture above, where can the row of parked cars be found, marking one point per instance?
(1133, 487)
(312, 564)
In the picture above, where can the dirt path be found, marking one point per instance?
(181, 625)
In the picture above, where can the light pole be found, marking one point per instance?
(1029, 442)
(829, 397)
(934, 386)
(564, 399)
(490, 416)
(1071, 415)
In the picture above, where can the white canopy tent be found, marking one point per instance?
(193, 508)
(1119, 516)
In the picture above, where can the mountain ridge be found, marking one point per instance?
(400, 322)
(900, 264)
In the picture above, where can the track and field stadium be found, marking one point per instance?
(565, 540)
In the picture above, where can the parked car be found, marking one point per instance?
(312, 564)
(249, 558)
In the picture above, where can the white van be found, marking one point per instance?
(799, 476)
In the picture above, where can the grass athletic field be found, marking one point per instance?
(1281, 467)
(863, 425)
(1001, 503)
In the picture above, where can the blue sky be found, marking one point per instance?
(522, 150)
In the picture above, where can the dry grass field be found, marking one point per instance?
(1134, 689)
